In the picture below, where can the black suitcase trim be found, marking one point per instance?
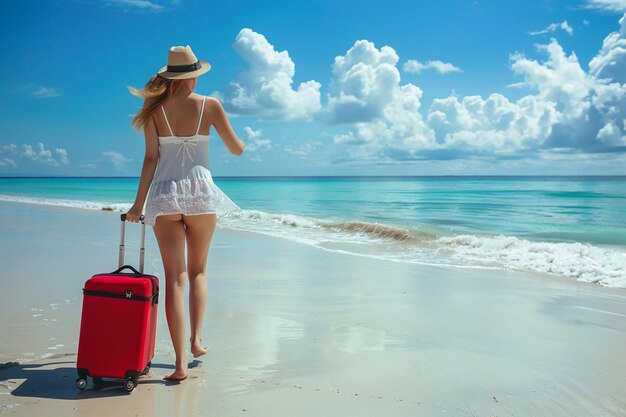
(127, 296)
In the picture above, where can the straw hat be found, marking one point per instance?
(182, 64)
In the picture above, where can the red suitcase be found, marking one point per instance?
(118, 323)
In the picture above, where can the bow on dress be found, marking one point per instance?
(185, 146)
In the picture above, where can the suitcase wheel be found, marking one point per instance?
(81, 383)
(129, 385)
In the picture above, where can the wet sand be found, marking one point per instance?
(299, 331)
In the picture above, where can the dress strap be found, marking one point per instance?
(201, 113)
(167, 121)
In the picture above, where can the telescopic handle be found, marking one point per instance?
(142, 250)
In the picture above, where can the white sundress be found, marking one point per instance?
(182, 182)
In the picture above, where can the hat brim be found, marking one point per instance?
(205, 67)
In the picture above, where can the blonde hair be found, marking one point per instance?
(154, 93)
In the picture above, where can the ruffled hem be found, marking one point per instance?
(187, 196)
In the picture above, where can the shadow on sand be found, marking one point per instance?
(56, 378)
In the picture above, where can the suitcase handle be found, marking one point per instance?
(120, 269)
(123, 217)
(142, 250)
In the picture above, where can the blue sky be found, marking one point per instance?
(325, 87)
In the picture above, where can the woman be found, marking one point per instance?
(181, 200)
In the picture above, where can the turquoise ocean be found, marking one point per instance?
(568, 226)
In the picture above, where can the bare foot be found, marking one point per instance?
(197, 350)
(178, 375)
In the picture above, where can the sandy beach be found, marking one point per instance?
(295, 330)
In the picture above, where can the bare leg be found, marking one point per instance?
(170, 235)
(199, 233)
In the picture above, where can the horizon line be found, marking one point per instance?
(328, 176)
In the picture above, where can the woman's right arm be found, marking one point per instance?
(223, 127)
(150, 161)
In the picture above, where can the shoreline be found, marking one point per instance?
(599, 263)
(298, 331)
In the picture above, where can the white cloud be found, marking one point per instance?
(363, 80)
(552, 27)
(265, 88)
(255, 141)
(607, 5)
(87, 166)
(492, 125)
(118, 160)
(10, 148)
(363, 84)
(43, 155)
(45, 92)
(542, 162)
(388, 123)
(559, 80)
(610, 134)
(40, 154)
(569, 109)
(62, 156)
(441, 67)
(302, 150)
(566, 27)
(4, 162)
(610, 62)
(136, 4)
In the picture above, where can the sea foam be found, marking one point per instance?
(81, 204)
(603, 265)
(585, 262)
